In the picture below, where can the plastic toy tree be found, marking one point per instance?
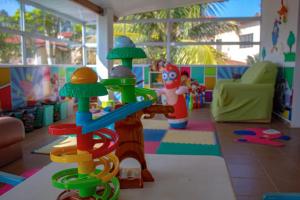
(291, 40)
(130, 130)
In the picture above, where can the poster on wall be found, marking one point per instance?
(29, 85)
(5, 89)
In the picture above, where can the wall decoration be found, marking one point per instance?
(230, 72)
(208, 96)
(282, 12)
(210, 71)
(263, 53)
(210, 82)
(290, 56)
(185, 72)
(27, 85)
(275, 35)
(5, 89)
(197, 73)
(54, 86)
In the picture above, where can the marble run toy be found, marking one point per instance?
(98, 165)
(95, 143)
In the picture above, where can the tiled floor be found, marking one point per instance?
(254, 169)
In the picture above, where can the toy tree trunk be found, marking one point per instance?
(131, 142)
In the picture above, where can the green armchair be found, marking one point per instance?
(249, 99)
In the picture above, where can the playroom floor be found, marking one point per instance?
(254, 169)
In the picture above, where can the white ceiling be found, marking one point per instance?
(69, 8)
(127, 7)
(120, 7)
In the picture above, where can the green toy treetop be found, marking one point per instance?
(125, 50)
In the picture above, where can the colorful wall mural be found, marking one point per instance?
(205, 75)
(25, 86)
(279, 23)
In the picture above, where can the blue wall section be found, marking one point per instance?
(225, 72)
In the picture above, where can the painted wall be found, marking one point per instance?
(205, 75)
(277, 45)
(23, 86)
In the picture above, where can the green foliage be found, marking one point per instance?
(251, 60)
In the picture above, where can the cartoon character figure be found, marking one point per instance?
(275, 35)
(175, 96)
(185, 79)
(282, 12)
(197, 92)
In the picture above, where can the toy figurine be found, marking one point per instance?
(175, 96)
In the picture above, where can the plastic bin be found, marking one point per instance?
(39, 114)
(48, 115)
(63, 111)
(28, 118)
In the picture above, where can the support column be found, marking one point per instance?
(104, 34)
(296, 95)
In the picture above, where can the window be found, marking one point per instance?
(206, 33)
(10, 14)
(45, 37)
(246, 38)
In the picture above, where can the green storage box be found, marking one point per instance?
(63, 110)
(48, 115)
(39, 115)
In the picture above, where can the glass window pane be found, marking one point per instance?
(90, 30)
(10, 52)
(147, 32)
(40, 51)
(214, 55)
(37, 51)
(66, 54)
(34, 19)
(48, 24)
(10, 14)
(154, 53)
(226, 31)
(91, 56)
(69, 30)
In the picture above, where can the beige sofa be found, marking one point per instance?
(11, 135)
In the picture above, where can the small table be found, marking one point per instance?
(177, 177)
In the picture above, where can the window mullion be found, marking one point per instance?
(84, 51)
(22, 29)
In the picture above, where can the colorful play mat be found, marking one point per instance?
(198, 138)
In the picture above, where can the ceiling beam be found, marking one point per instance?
(91, 6)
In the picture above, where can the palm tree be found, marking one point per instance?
(181, 32)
